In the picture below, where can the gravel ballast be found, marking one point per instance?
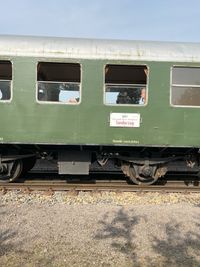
(99, 229)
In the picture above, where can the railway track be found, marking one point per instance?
(34, 184)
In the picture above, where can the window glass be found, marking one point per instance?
(125, 84)
(5, 80)
(58, 82)
(185, 88)
(186, 76)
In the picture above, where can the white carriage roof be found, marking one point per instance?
(57, 47)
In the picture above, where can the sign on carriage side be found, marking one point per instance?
(125, 120)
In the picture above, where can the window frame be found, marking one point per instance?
(125, 105)
(57, 102)
(181, 85)
(11, 82)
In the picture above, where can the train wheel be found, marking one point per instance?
(141, 179)
(16, 170)
(9, 172)
(140, 175)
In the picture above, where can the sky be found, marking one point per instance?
(156, 20)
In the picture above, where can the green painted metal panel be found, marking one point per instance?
(24, 120)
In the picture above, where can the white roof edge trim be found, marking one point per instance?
(72, 48)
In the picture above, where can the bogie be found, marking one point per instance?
(10, 171)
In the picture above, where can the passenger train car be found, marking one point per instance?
(104, 105)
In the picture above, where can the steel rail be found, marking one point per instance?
(173, 186)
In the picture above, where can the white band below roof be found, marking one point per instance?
(55, 47)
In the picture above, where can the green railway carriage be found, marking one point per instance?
(99, 104)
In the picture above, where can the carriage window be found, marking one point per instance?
(185, 87)
(125, 84)
(58, 82)
(5, 80)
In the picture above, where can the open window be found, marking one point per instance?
(185, 86)
(126, 84)
(58, 82)
(5, 80)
